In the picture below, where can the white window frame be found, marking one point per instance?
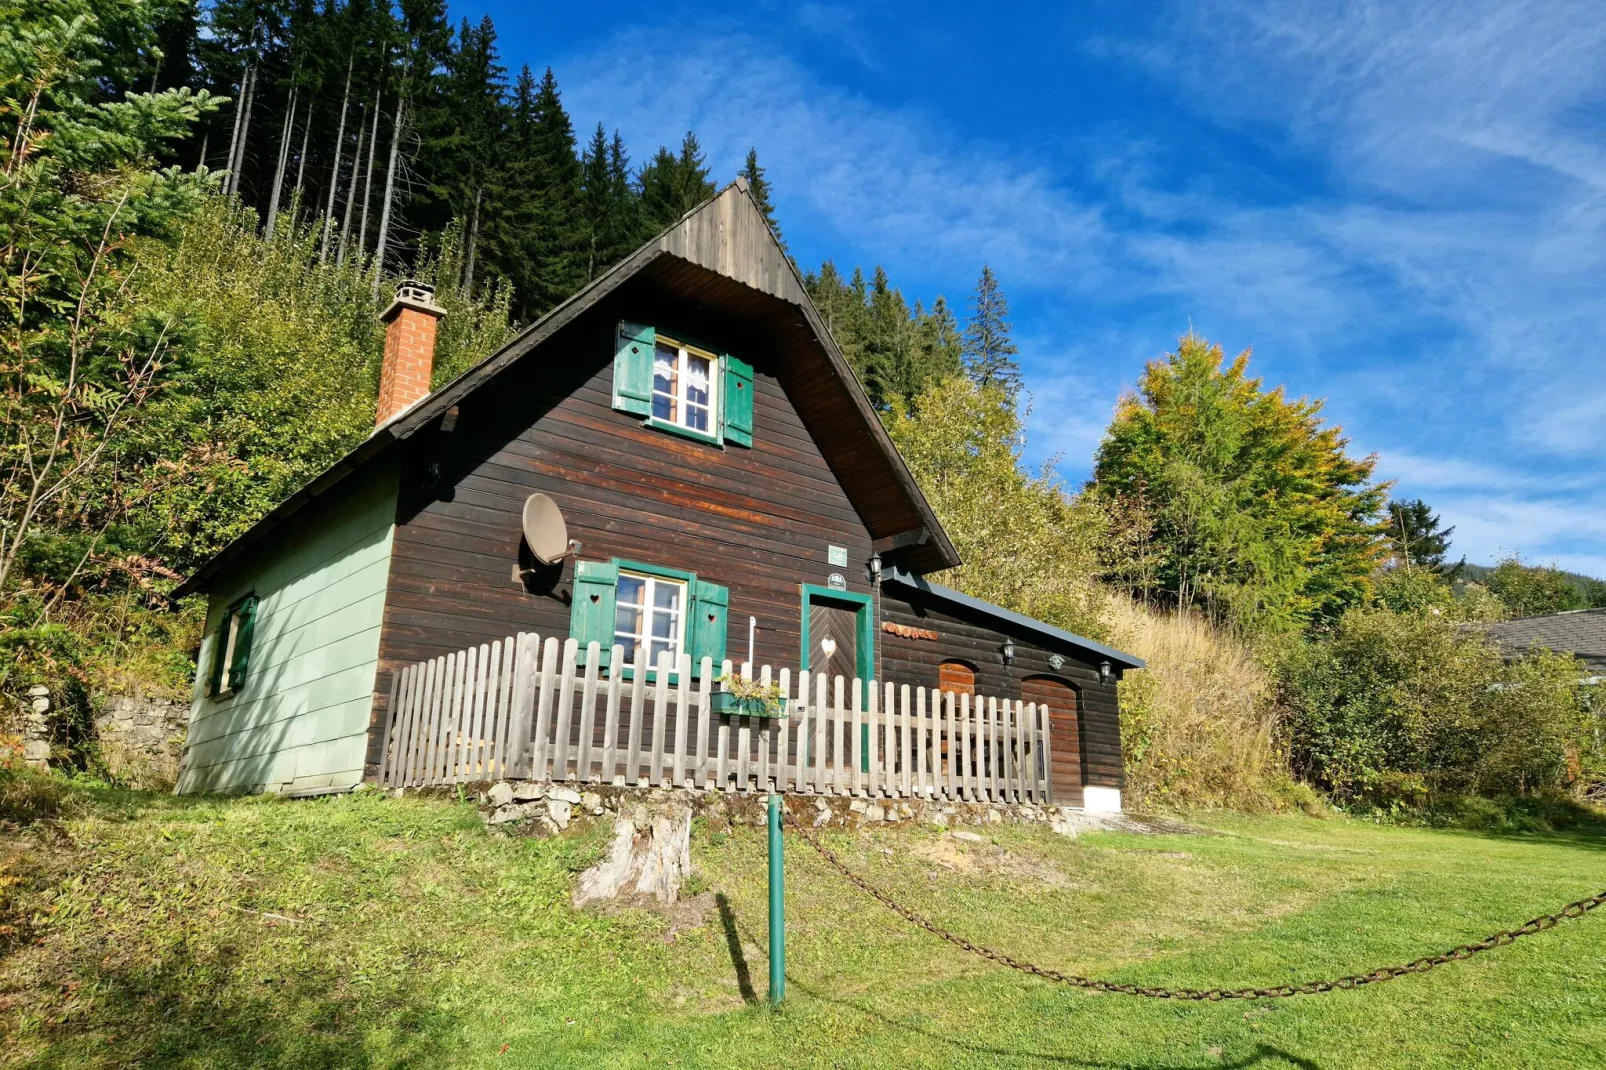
(683, 353)
(645, 638)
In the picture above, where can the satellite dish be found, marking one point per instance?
(544, 529)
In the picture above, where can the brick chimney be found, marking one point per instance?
(409, 350)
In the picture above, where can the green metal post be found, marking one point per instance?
(777, 908)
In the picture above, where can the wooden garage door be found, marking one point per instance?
(1064, 733)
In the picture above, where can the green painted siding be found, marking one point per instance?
(300, 722)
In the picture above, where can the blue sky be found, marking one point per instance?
(1400, 207)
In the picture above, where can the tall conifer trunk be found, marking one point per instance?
(237, 156)
(301, 162)
(282, 163)
(334, 174)
(368, 181)
(473, 236)
(390, 191)
(234, 134)
(351, 192)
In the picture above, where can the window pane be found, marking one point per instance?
(630, 588)
(697, 371)
(664, 363)
(666, 595)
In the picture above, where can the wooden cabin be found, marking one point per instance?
(729, 490)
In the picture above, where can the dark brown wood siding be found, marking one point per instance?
(757, 521)
(978, 640)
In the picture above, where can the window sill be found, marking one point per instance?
(684, 432)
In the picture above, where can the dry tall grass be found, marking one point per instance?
(1198, 725)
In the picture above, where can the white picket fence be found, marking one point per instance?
(523, 709)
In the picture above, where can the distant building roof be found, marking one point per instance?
(1579, 632)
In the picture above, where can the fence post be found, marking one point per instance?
(777, 907)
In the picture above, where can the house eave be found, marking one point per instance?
(1046, 632)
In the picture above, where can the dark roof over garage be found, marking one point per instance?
(1008, 617)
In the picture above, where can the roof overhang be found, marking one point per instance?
(1047, 633)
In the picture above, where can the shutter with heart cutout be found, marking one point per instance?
(591, 616)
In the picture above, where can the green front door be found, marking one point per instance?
(839, 640)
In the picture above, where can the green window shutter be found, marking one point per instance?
(241, 662)
(220, 646)
(738, 401)
(591, 616)
(632, 368)
(708, 623)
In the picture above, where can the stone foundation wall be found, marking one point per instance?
(544, 808)
(139, 738)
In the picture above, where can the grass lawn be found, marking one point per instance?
(368, 932)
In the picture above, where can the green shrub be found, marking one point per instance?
(1403, 707)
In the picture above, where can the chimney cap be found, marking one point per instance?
(418, 296)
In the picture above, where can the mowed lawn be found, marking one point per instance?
(362, 931)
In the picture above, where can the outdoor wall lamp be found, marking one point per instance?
(1106, 672)
(1009, 651)
(875, 568)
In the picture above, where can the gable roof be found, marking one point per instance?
(721, 254)
(1580, 632)
(1051, 635)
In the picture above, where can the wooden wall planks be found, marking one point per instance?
(978, 641)
(757, 521)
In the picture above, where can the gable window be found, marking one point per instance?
(649, 610)
(636, 607)
(681, 387)
(231, 650)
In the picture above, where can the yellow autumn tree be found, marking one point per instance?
(1249, 507)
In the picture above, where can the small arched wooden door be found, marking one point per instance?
(1065, 747)
(957, 676)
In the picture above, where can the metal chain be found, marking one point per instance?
(1354, 980)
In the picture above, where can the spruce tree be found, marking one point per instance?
(988, 352)
(937, 346)
(607, 202)
(559, 231)
(673, 185)
(1416, 537)
(759, 187)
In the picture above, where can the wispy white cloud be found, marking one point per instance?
(1440, 282)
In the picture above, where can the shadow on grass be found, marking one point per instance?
(183, 1008)
(733, 941)
(1263, 1054)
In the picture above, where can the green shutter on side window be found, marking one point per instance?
(241, 663)
(220, 645)
(632, 368)
(596, 585)
(708, 623)
(738, 401)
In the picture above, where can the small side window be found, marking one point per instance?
(231, 651)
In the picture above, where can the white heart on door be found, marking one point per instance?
(828, 646)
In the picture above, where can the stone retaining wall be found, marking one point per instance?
(544, 808)
(139, 738)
